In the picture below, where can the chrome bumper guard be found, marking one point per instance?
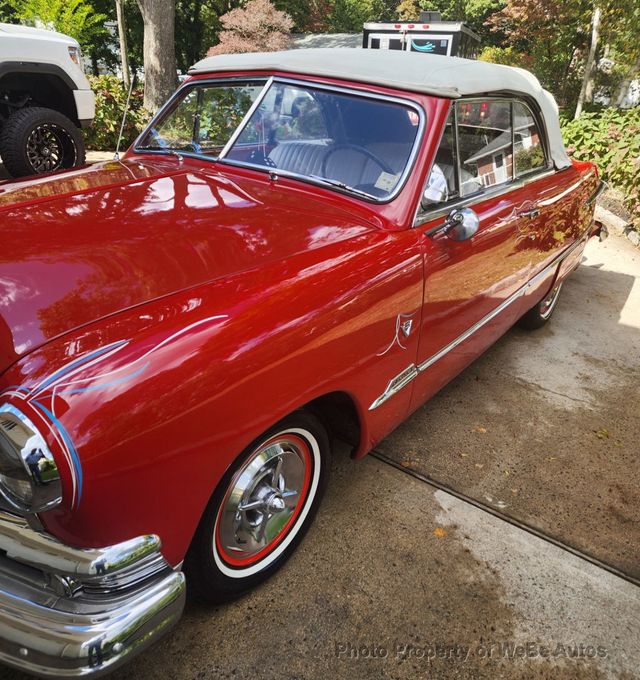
(68, 612)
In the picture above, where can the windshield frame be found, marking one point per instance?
(269, 80)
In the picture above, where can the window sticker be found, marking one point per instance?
(386, 181)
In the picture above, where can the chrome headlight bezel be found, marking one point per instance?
(29, 476)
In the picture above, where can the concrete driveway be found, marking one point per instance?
(399, 578)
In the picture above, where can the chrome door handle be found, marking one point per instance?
(531, 214)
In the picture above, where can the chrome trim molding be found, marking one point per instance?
(602, 185)
(177, 94)
(484, 195)
(413, 371)
(81, 612)
(269, 80)
(247, 117)
(353, 91)
(395, 385)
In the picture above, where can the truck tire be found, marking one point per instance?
(36, 140)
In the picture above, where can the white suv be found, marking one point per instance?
(44, 99)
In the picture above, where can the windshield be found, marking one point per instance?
(359, 144)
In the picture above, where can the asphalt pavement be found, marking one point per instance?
(496, 535)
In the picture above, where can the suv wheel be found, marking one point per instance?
(36, 140)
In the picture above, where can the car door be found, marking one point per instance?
(469, 283)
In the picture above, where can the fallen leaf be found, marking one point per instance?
(407, 463)
(602, 433)
(506, 472)
(480, 429)
(439, 532)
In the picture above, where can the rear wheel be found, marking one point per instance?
(36, 140)
(260, 510)
(538, 316)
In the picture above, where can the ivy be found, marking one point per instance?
(610, 138)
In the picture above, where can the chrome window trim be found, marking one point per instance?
(245, 120)
(412, 371)
(356, 93)
(269, 80)
(516, 182)
(468, 201)
(178, 94)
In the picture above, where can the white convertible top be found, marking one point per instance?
(432, 74)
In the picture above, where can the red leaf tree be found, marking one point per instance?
(256, 27)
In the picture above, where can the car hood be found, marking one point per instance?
(86, 244)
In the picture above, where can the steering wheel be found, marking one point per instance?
(359, 149)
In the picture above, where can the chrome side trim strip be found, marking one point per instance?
(412, 372)
(395, 385)
(470, 331)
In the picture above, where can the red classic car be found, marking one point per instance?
(301, 246)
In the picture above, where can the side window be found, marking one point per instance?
(441, 185)
(484, 138)
(492, 136)
(529, 153)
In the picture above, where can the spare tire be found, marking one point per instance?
(36, 140)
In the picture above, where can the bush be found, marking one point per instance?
(611, 139)
(111, 99)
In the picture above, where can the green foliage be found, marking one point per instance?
(508, 56)
(111, 99)
(76, 18)
(611, 139)
(349, 15)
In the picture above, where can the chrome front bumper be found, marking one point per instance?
(67, 612)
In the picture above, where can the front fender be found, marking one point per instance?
(148, 408)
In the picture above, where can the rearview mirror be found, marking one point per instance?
(461, 224)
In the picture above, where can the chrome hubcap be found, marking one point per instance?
(263, 499)
(547, 305)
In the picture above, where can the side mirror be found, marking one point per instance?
(461, 224)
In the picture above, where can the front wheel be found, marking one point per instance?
(260, 510)
(538, 315)
(36, 140)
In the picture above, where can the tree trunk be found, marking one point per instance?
(124, 52)
(160, 77)
(622, 89)
(587, 81)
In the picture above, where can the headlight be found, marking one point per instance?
(29, 479)
(76, 55)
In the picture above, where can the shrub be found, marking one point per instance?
(256, 27)
(111, 99)
(610, 138)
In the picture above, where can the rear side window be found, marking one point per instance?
(486, 143)
(484, 138)
(528, 150)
